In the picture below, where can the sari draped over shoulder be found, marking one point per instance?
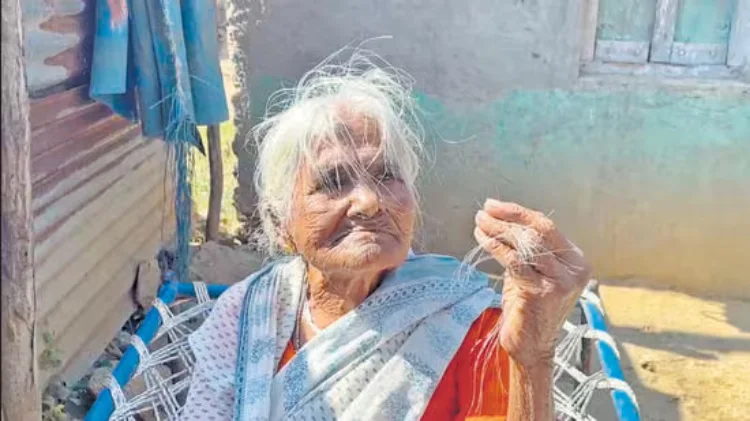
(381, 361)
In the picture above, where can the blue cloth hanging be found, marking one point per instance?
(160, 66)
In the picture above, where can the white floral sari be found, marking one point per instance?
(381, 361)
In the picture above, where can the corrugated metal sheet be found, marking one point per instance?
(58, 37)
(101, 204)
(100, 197)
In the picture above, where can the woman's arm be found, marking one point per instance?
(530, 395)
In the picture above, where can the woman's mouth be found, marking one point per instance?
(357, 232)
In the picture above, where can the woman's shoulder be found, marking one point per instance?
(230, 301)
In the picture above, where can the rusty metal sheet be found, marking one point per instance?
(47, 185)
(58, 37)
(71, 137)
(101, 175)
(67, 129)
(82, 147)
(54, 107)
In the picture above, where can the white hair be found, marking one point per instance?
(298, 119)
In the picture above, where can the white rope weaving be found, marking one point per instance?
(165, 313)
(163, 375)
(117, 396)
(201, 292)
(589, 295)
(567, 373)
(119, 400)
(617, 384)
(588, 333)
(142, 350)
(165, 367)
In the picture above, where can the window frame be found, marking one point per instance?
(657, 57)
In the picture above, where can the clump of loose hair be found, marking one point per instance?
(297, 120)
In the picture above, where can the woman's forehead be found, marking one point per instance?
(356, 141)
(340, 154)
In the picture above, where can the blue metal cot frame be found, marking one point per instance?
(625, 407)
(168, 293)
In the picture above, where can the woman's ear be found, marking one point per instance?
(288, 247)
(283, 238)
(285, 241)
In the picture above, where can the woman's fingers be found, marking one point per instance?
(534, 236)
(522, 238)
(515, 213)
(552, 239)
(509, 211)
(506, 256)
(531, 252)
(494, 228)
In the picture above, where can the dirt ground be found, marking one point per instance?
(686, 357)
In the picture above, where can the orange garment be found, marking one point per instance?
(474, 386)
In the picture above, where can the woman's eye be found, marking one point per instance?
(387, 175)
(335, 183)
(332, 185)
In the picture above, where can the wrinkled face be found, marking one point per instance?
(350, 211)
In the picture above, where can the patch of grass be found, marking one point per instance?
(201, 181)
(51, 356)
(54, 413)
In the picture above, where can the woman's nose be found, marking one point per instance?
(365, 202)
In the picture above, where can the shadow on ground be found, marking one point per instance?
(687, 357)
(691, 345)
(654, 405)
(737, 316)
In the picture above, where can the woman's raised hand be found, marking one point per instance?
(545, 274)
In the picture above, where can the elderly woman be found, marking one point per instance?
(349, 324)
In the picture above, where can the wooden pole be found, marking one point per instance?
(216, 170)
(20, 392)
